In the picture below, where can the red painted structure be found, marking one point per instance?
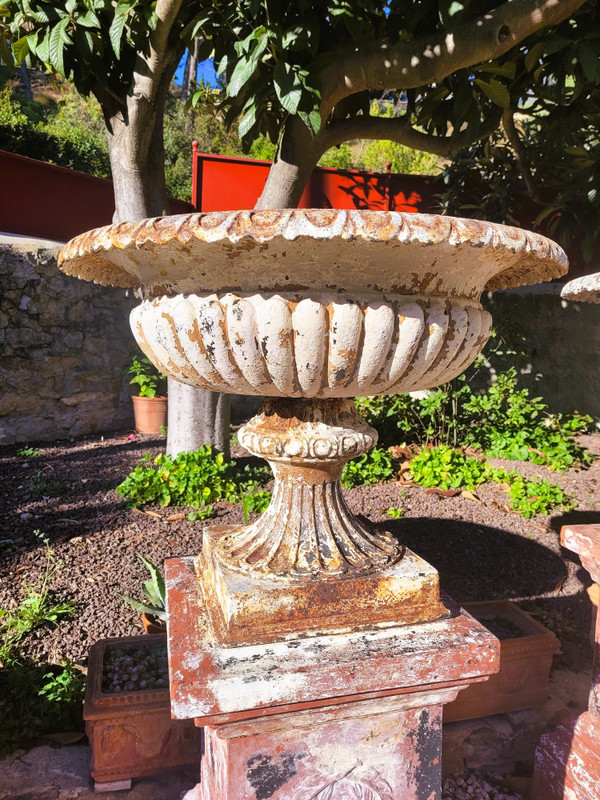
(39, 199)
(225, 183)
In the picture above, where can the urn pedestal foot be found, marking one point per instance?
(308, 565)
(355, 714)
(567, 760)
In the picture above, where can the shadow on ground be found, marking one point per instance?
(498, 564)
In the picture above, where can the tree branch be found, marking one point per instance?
(400, 130)
(428, 59)
(512, 134)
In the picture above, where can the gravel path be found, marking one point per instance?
(482, 550)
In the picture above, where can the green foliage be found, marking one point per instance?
(530, 498)
(255, 503)
(506, 422)
(263, 149)
(28, 129)
(154, 591)
(43, 486)
(37, 699)
(340, 157)
(376, 155)
(395, 513)
(198, 478)
(28, 452)
(445, 468)
(502, 421)
(556, 92)
(37, 608)
(147, 377)
(374, 466)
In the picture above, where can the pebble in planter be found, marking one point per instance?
(127, 714)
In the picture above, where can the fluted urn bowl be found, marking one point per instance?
(310, 308)
(318, 303)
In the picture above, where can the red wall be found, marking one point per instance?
(39, 199)
(223, 183)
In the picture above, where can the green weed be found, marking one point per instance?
(446, 468)
(28, 452)
(37, 608)
(395, 513)
(198, 478)
(374, 466)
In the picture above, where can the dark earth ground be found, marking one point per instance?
(481, 549)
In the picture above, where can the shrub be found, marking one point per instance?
(502, 421)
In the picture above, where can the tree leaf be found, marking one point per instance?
(56, 46)
(21, 49)
(287, 86)
(534, 55)
(496, 91)
(590, 64)
(117, 26)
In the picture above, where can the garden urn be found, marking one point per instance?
(309, 308)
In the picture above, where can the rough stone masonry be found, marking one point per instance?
(64, 347)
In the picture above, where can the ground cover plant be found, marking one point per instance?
(502, 421)
(36, 698)
(446, 468)
(198, 478)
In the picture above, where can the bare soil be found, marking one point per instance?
(482, 550)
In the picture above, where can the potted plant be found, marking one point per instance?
(150, 405)
(154, 612)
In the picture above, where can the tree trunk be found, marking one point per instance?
(297, 156)
(197, 417)
(191, 70)
(26, 81)
(137, 157)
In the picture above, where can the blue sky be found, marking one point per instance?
(206, 71)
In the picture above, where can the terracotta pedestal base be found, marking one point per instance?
(321, 717)
(567, 761)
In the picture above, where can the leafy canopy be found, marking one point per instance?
(95, 43)
(274, 59)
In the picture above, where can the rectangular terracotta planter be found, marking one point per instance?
(523, 679)
(131, 734)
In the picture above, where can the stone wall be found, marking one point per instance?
(557, 344)
(64, 347)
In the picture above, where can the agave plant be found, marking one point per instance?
(154, 590)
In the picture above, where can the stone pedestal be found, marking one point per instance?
(320, 717)
(567, 761)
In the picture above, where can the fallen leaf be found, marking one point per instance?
(443, 492)
(469, 495)
(76, 539)
(63, 508)
(173, 517)
(153, 514)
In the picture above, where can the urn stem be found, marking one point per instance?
(308, 531)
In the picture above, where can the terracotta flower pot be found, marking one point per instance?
(131, 733)
(152, 624)
(150, 414)
(525, 661)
